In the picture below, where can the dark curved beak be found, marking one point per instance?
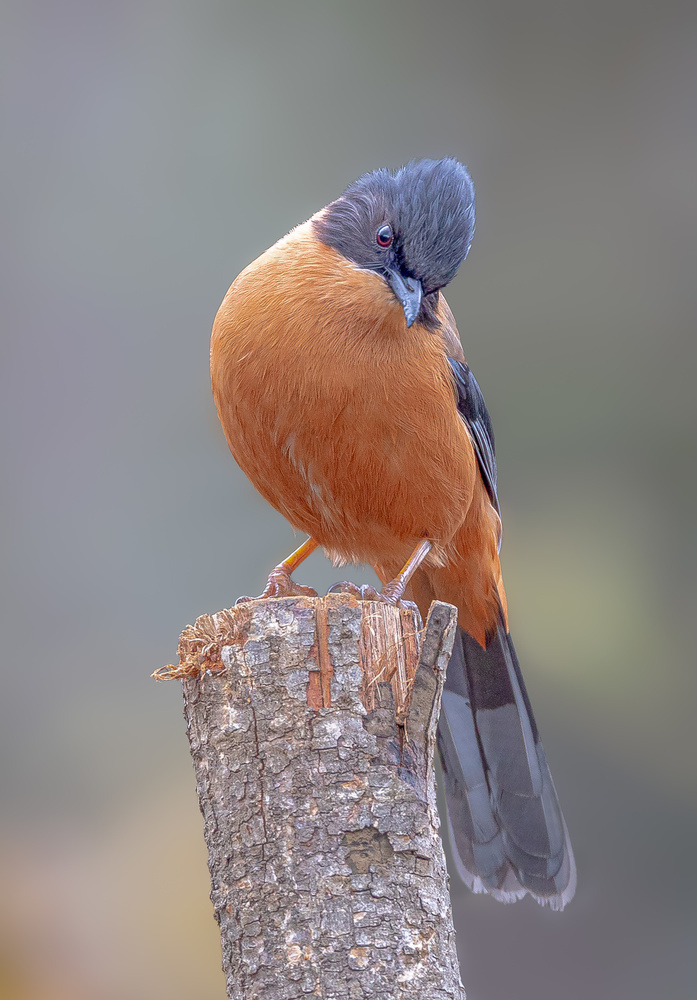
(408, 291)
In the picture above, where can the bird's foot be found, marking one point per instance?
(280, 584)
(391, 593)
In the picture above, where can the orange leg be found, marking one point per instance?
(280, 584)
(393, 591)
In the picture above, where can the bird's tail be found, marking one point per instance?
(506, 827)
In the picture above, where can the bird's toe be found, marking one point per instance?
(369, 593)
(346, 587)
(281, 584)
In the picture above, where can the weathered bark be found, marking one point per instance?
(312, 727)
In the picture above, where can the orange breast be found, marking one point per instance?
(343, 419)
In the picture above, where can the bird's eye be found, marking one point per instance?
(384, 236)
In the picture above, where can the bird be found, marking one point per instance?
(342, 388)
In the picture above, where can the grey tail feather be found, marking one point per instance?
(506, 827)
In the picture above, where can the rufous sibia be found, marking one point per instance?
(344, 394)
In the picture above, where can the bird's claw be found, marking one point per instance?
(388, 595)
(280, 584)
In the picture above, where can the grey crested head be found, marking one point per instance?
(413, 226)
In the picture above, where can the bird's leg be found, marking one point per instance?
(393, 591)
(279, 583)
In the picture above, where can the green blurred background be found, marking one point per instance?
(151, 149)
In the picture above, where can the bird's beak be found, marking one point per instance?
(408, 291)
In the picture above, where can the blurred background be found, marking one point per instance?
(151, 150)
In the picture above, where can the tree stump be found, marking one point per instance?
(312, 727)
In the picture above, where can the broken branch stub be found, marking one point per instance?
(312, 727)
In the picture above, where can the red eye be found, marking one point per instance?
(384, 236)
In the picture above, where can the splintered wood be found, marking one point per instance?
(389, 648)
(201, 644)
(390, 644)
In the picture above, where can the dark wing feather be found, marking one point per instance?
(472, 408)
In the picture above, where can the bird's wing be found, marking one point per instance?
(472, 409)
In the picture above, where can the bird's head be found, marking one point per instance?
(412, 227)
